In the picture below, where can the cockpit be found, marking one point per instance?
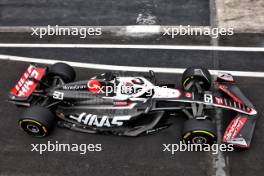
(120, 87)
(132, 87)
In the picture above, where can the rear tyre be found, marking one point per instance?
(37, 121)
(199, 132)
(62, 70)
(198, 75)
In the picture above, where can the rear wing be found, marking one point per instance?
(27, 83)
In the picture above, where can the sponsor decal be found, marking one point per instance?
(234, 128)
(26, 85)
(156, 129)
(225, 76)
(94, 86)
(100, 121)
(208, 98)
(188, 94)
(74, 87)
(219, 100)
(228, 92)
(121, 103)
(238, 141)
(174, 93)
(58, 95)
(164, 92)
(248, 109)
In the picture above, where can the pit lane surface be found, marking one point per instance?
(225, 60)
(125, 155)
(111, 12)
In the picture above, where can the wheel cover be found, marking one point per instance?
(199, 137)
(199, 140)
(33, 127)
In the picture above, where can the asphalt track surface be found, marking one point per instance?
(123, 155)
(111, 12)
(238, 39)
(237, 61)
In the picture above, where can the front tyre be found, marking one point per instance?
(196, 75)
(37, 121)
(199, 132)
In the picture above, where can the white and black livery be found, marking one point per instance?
(113, 103)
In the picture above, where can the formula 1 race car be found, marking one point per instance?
(131, 105)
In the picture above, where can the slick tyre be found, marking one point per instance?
(62, 70)
(196, 74)
(37, 121)
(199, 132)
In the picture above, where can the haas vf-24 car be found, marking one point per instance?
(114, 103)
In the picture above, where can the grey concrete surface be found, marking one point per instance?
(245, 16)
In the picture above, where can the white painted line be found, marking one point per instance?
(112, 29)
(124, 68)
(220, 164)
(143, 29)
(124, 46)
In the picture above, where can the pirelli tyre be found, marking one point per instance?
(62, 70)
(199, 132)
(196, 74)
(37, 121)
